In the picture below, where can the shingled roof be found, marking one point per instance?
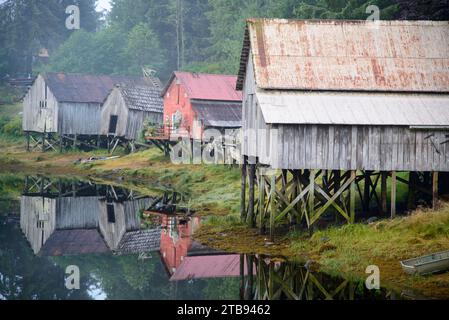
(394, 56)
(143, 98)
(77, 88)
(141, 241)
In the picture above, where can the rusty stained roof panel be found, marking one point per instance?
(403, 56)
(354, 108)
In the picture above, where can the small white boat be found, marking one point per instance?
(433, 263)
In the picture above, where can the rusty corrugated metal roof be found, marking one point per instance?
(78, 88)
(402, 56)
(354, 108)
(219, 114)
(201, 86)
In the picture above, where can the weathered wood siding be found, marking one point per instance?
(37, 220)
(130, 122)
(77, 213)
(383, 148)
(79, 118)
(253, 141)
(127, 218)
(112, 232)
(114, 106)
(136, 120)
(35, 117)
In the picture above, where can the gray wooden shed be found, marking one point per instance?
(128, 108)
(69, 105)
(336, 98)
(60, 218)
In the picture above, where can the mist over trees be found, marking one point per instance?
(163, 35)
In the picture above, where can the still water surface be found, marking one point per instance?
(132, 246)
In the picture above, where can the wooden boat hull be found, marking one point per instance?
(433, 263)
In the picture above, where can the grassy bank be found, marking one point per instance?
(208, 189)
(348, 250)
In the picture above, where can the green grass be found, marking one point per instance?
(209, 189)
(358, 245)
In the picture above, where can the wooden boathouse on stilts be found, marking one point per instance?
(62, 111)
(194, 103)
(337, 113)
(127, 111)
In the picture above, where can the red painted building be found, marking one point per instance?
(194, 102)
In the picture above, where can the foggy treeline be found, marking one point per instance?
(163, 35)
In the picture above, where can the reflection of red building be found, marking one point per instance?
(176, 240)
(185, 259)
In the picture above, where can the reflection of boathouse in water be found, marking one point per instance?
(60, 218)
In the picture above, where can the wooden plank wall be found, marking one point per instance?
(79, 118)
(35, 118)
(112, 232)
(114, 106)
(77, 213)
(136, 121)
(360, 148)
(33, 210)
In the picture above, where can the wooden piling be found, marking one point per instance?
(252, 178)
(311, 202)
(61, 143)
(352, 194)
(366, 192)
(272, 205)
(383, 192)
(243, 190)
(43, 141)
(28, 141)
(393, 194)
(435, 190)
(261, 203)
(75, 141)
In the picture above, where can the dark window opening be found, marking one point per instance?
(113, 124)
(111, 213)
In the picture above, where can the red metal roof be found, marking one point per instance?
(398, 56)
(201, 86)
(203, 267)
